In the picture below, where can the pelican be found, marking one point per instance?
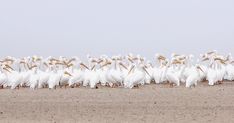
(3, 77)
(34, 77)
(14, 77)
(149, 68)
(136, 76)
(174, 72)
(91, 77)
(54, 77)
(193, 76)
(114, 75)
(115, 71)
(103, 71)
(212, 73)
(77, 74)
(44, 73)
(160, 72)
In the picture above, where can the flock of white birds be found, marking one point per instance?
(117, 71)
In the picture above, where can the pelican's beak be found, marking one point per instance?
(131, 69)
(82, 64)
(67, 73)
(232, 62)
(198, 67)
(211, 52)
(59, 63)
(222, 61)
(146, 70)
(45, 64)
(93, 67)
(53, 59)
(135, 58)
(93, 60)
(105, 64)
(176, 62)
(123, 65)
(100, 61)
(9, 67)
(70, 65)
(33, 66)
(162, 57)
(39, 59)
(7, 70)
(22, 62)
(130, 60)
(205, 59)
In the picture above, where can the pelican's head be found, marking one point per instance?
(130, 55)
(104, 56)
(62, 58)
(191, 56)
(48, 58)
(138, 56)
(88, 56)
(75, 57)
(202, 55)
(156, 55)
(174, 55)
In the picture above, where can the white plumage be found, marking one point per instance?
(117, 71)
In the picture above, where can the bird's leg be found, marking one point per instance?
(113, 86)
(116, 85)
(171, 85)
(60, 85)
(137, 86)
(193, 85)
(78, 85)
(220, 82)
(122, 84)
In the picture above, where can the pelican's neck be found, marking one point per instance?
(113, 65)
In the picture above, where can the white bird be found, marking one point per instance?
(91, 76)
(114, 75)
(34, 77)
(136, 76)
(193, 76)
(128, 71)
(54, 78)
(103, 71)
(77, 74)
(149, 78)
(212, 73)
(174, 73)
(3, 77)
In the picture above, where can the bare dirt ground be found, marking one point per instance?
(149, 103)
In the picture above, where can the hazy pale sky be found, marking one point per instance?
(78, 27)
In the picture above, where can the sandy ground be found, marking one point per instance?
(149, 103)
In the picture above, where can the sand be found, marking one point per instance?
(149, 103)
